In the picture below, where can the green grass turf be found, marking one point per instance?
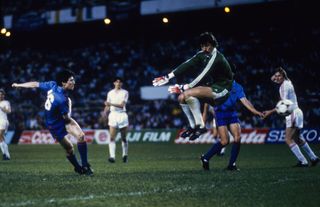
(158, 175)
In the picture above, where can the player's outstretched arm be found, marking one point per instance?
(250, 107)
(32, 84)
(268, 112)
(162, 80)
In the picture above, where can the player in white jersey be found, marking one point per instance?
(118, 119)
(294, 121)
(4, 124)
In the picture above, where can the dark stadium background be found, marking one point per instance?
(255, 38)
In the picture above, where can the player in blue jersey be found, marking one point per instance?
(58, 117)
(227, 119)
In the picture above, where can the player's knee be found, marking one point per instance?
(237, 139)
(81, 137)
(301, 141)
(69, 150)
(224, 142)
(289, 142)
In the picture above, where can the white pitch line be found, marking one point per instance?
(92, 197)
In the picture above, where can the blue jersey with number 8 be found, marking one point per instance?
(56, 104)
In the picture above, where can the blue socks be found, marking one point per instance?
(234, 153)
(72, 158)
(213, 150)
(83, 151)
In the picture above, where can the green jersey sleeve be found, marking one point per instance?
(191, 64)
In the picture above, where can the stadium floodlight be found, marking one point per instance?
(165, 20)
(3, 30)
(227, 9)
(8, 34)
(107, 21)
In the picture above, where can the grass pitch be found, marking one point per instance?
(158, 175)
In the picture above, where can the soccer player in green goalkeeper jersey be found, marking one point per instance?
(214, 70)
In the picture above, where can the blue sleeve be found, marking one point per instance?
(46, 86)
(240, 92)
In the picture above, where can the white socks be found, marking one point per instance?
(188, 113)
(112, 149)
(296, 151)
(194, 106)
(4, 149)
(125, 146)
(309, 151)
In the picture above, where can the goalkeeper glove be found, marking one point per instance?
(178, 88)
(160, 81)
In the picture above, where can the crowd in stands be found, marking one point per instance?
(255, 56)
(20, 7)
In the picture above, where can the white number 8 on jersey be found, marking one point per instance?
(49, 101)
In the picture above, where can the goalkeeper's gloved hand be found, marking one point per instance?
(160, 80)
(178, 88)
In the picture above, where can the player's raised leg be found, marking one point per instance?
(192, 124)
(191, 98)
(74, 129)
(67, 145)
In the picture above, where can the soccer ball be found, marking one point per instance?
(284, 107)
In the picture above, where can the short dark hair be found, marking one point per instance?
(63, 76)
(118, 78)
(207, 37)
(282, 72)
(2, 91)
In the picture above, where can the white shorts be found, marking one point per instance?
(118, 120)
(295, 119)
(4, 124)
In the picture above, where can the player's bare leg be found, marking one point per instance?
(124, 144)
(290, 135)
(68, 146)
(4, 146)
(74, 129)
(216, 148)
(112, 144)
(235, 130)
(215, 134)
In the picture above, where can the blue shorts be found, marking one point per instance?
(58, 132)
(226, 118)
